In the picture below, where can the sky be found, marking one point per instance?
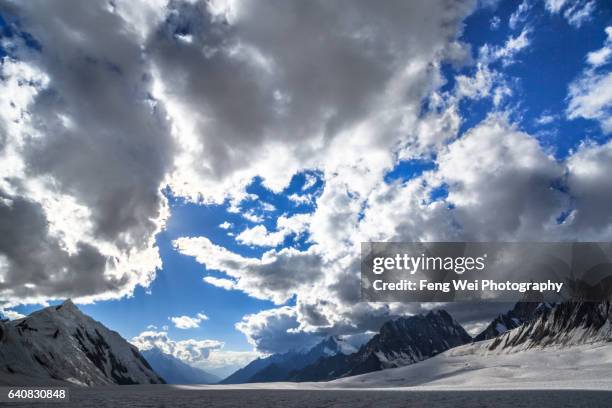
(198, 175)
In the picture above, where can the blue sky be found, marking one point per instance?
(324, 151)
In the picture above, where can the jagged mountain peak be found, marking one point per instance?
(62, 343)
(331, 346)
(566, 324)
(401, 341)
(521, 312)
(176, 371)
(68, 306)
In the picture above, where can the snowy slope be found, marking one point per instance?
(468, 367)
(521, 313)
(62, 343)
(568, 346)
(566, 324)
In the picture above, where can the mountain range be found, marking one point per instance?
(402, 341)
(61, 344)
(566, 324)
(521, 312)
(175, 371)
(277, 367)
(408, 340)
(567, 346)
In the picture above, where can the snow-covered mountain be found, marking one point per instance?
(174, 371)
(521, 313)
(567, 324)
(400, 342)
(278, 367)
(62, 343)
(567, 346)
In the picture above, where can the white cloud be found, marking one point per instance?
(251, 216)
(273, 331)
(311, 180)
(260, 236)
(590, 95)
(555, 6)
(189, 110)
(589, 169)
(487, 82)
(479, 85)
(84, 242)
(546, 119)
(187, 322)
(300, 199)
(495, 22)
(219, 358)
(226, 284)
(579, 13)
(235, 101)
(602, 56)
(276, 276)
(512, 47)
(576, 13)
(190, 351)
(267, 207)
(225, 225)
(11, 314)
(519, 15)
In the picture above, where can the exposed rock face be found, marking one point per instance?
(567, 324)
(400, 342)
(62, 343)
(521, 313)
(279, 366)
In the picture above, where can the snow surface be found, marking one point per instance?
(474, 367)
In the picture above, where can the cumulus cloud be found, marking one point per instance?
(190, 351)
(263, 96)
(79, 117)
(485, 81)
(276, 276)
(229, 360)
(225, 225)
(589, 167)
(260, 236)
(499, 183)
(111, 103)
(226, 284)
(501, 186)
(187, 322)
(274, 331)
(11, 314)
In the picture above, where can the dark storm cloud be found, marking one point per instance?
(37, 263)
(275, 331)
(93, 134)
(290, 71)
